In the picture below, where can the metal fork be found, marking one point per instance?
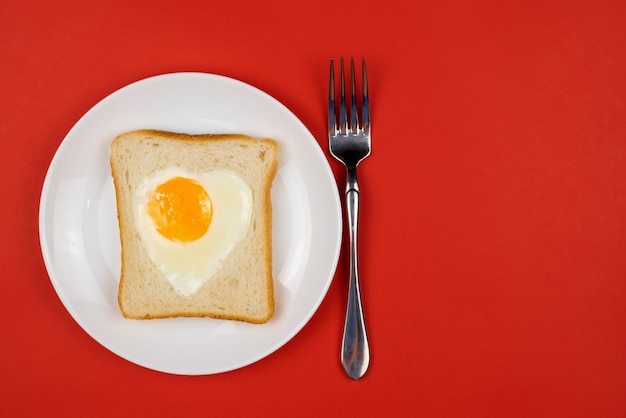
(350, 143)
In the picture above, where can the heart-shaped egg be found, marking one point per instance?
(190, 222)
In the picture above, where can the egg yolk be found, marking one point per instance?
(181, 209)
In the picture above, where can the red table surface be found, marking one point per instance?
(493, 229)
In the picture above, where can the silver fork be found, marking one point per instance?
(350, 143)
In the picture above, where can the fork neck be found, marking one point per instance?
(352, 184)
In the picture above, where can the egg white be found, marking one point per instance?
(189, 265)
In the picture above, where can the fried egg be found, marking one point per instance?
(189, 223)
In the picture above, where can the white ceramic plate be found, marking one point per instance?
(80, 237)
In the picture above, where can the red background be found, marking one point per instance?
(493, 225)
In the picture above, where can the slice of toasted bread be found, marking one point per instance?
(242, 288)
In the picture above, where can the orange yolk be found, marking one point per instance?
(181, 209)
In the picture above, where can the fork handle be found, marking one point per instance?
(355, 355)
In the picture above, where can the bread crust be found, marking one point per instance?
(144, 292)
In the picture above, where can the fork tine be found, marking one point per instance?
(354, 118)
(343, 119)
(332, 117)
(366, 102)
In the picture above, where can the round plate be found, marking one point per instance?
(80, 237)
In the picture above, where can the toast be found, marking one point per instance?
(242, 286)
